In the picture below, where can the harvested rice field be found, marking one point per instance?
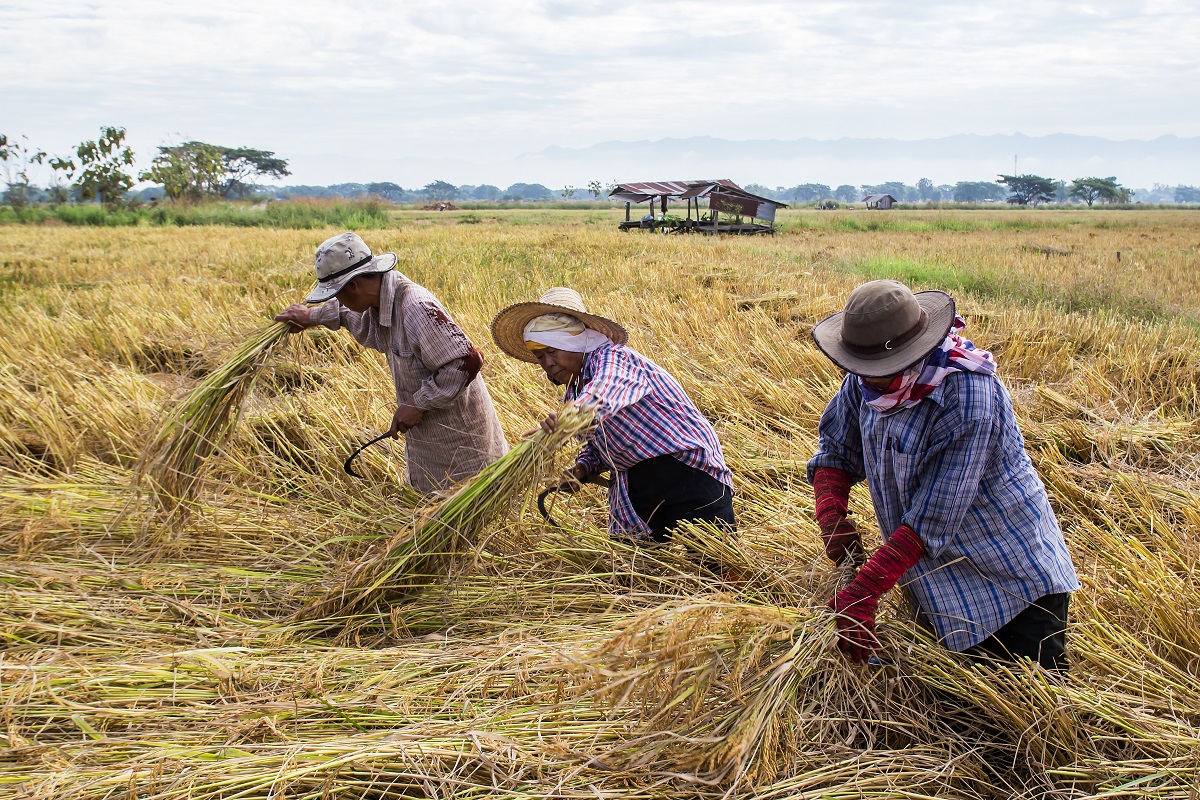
(167, 656)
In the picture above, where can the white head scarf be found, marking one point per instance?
(564, 332)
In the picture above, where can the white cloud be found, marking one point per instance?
(481, 82)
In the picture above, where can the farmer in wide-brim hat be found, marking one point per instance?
(665, 459)
(968, 529)
(443, 408)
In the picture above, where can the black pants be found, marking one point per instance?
(1038, 633)
(664, 492)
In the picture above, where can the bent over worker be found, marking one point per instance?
(966, 522)
(665, 459)
(443, 408)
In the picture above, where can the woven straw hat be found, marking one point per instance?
(340, 259)
(885, 328)
(508, 328)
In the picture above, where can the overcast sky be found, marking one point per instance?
(412, 92)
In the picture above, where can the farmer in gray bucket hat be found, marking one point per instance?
(967, 527)
(443, 408)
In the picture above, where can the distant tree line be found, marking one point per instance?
(1015, 189)
(102, 170)
(431, 192)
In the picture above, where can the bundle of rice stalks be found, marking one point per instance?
(173, 460)
(415, 556)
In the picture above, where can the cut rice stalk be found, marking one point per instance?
(172, 463)
(417, 555)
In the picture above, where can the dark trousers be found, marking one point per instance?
(664, 492)
(1038, 633)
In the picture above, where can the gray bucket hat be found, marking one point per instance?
(342, 257)
(885, 328)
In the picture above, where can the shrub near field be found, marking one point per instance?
(299, 213)
(555, 663)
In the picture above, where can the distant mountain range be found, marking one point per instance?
(965, 157)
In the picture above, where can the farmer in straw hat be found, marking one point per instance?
(664, 456)
(442, 405)
(923, 419)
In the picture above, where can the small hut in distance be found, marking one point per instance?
(723, 197)
(879, 200)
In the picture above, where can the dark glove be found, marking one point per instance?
(831, 496)
(855, 608)
(856, 604)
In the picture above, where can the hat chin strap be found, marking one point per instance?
(334, 276)
(890, 344)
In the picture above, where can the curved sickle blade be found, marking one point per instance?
(598, 480)
(541, 504)
(346, 465)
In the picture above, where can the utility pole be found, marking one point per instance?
(1014, 164)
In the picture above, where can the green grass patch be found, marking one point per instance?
(301, 214)
(1076, 297)
(869, 221)
(919, 274)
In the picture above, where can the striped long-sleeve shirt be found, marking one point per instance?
(642, 413)
(954, 469)
(435, 368)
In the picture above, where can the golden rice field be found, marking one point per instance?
(141, 660)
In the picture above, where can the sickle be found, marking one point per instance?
(599, 480)
(346, 465)
(541, 504)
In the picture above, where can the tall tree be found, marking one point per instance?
(528, 191)
(387, 190)
(244, 163)
(977, 191)
(1029, 189)
(1187, 194)
(808, 192)
(925, 189)
(1089, 190)
(103, 166)
(188, 171)
(896, 189)
(440, 190)
(846, 193)
(18, 158)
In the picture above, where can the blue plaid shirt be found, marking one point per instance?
(954, 469)
(642, 412)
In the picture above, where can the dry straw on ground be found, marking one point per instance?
(558, 663)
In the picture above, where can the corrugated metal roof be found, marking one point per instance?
(655, 188)
(680, 190)
(872, 198)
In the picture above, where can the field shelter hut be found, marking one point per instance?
(721, 196)
(879, 200)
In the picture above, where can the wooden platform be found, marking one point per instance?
(691, 226)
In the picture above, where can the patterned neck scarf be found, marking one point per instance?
(915, 383)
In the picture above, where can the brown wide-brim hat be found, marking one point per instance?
(508, 328)
(885, 328)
